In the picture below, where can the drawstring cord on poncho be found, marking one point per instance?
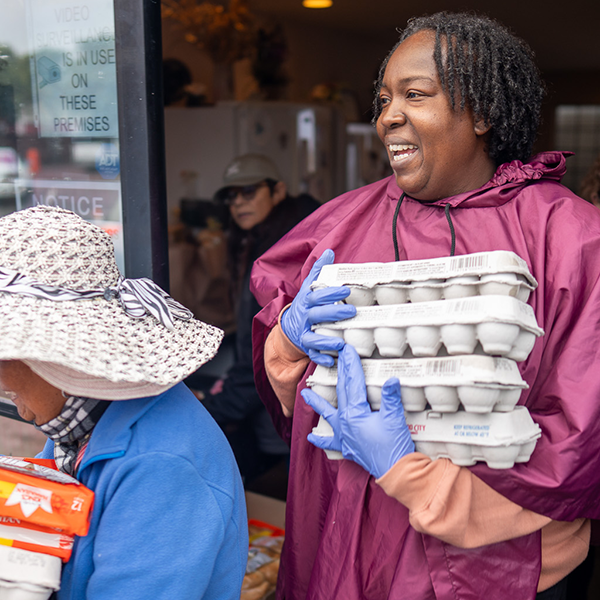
(395, 228)
(452, 234)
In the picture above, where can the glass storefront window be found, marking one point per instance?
(81, 122)
(59, 122)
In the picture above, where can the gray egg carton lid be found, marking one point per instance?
(487, 429)
(466, 311)
(408, 271)
(23, 566)
(471, 369)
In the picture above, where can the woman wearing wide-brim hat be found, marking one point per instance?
(96, 362)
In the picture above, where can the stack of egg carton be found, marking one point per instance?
(452, 330)
(26, 575)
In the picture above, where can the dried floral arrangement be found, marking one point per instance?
(225, 33)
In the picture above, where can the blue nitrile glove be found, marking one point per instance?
(319, 306)
(375, 440)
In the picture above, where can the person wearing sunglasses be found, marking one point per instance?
(261, 212)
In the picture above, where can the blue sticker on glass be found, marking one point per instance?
(107, 161)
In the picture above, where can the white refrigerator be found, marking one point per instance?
(307, 142)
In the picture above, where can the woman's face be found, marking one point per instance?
(247, 213)
(35, 398)
(435, 151)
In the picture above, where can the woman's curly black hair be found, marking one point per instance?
(482, 64)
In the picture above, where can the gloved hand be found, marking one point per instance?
(310, 307)
(375, 440)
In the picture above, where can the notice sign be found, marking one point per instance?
(97, 202)
(74, 67)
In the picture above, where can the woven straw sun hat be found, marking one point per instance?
(66, 311)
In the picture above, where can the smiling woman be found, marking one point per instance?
(475, 67)
(457, 105)
(435, 149)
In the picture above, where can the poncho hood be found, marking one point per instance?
(508, 179)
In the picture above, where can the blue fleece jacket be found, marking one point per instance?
(169, 519)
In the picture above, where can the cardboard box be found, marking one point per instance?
(268, 510)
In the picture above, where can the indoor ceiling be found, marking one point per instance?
(565, 35)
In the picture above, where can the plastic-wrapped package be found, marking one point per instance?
(44, 497)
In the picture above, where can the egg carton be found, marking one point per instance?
(23, 591)
(484, 273)
(478, 384)
(324, 429)
(26, 575)
(498, 439)
(501, 325)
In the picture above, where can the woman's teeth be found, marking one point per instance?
(400, 151)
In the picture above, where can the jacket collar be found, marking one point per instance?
(507, 182)
(112, 435)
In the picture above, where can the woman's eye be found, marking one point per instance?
(412, 95)
(383, 100)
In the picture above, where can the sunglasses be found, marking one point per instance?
(247, 192)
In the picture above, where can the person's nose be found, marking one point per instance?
(238, 199)
(393, 115)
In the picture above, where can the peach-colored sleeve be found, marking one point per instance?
(565, 546)
(451, 503)
(285, 365)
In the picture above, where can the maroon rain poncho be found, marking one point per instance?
(344, 537)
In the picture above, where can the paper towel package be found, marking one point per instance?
(45, 497)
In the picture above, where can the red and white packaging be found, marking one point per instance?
(43, 497)
(17, 534)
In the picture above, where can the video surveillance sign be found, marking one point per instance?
(74, 67)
